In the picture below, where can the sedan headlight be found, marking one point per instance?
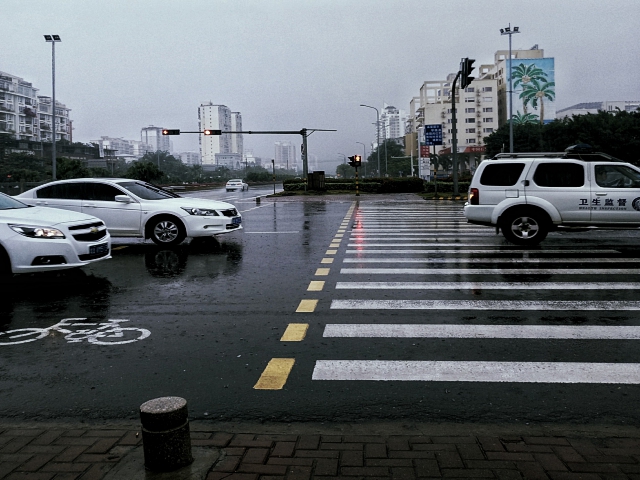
(203, 212)
(37, 232)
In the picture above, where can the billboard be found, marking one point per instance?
(534, 90)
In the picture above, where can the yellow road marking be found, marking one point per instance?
(307, 306)
(322, 272)
(327, 260)
(331, 252)
(339, 235)
(341, 231)
(118, 248)
(334, 245)
(295, 332)
(315, 286)
(275, 375)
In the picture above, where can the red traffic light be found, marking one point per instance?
(171, 132)
(212, 132)
(355, 160)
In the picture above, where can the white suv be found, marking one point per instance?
(527, 195)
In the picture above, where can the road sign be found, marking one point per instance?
(424, 169)
(433, 134)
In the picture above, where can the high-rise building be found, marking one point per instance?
(153, 137)
(190, 158)
(220, 150)
(392, 123)
(285, 155)
(122, 148)
(27, 116)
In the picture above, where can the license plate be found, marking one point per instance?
(98, 249)
(236, 220)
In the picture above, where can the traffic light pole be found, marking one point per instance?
(357, 191)
(454, 137)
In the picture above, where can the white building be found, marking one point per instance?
(392, 123)
(153, 137)
(595, 107)
(27, 116)
(220, 150)
(285, 155)
(190, 158)
(251, 159)
(126, 149)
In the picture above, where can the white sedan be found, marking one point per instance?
(236, 184)
(40, 239)
(132, 208)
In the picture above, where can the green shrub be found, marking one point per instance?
(446, 187)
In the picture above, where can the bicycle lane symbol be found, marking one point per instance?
(76, 330)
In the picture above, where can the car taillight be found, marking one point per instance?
(474, 196)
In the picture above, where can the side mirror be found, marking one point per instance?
(123, 199)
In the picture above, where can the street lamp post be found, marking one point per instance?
(53, 39)
(509, 31)
(364, 157)
(377, 133)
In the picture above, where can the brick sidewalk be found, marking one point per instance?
(89, 453)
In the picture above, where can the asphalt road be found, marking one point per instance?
(420, 317)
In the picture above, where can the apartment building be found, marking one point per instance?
(392, 122)
(153, 137)
(190, 158)
(122, 148)
(285, 155)
(26, 116)
(220, 150)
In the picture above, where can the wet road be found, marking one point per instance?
(410, 314)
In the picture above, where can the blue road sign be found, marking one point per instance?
(433, 134)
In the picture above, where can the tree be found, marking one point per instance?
(70, 168)
(145, 171)
(389, 148)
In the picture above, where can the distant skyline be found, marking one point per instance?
(287, 64)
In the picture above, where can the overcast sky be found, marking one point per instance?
(288, 64)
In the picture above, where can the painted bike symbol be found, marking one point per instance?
(106, 333)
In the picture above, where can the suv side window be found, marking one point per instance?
(616, 176)
(501, 174)
(102, 192)
(559, 175)
(67, 191)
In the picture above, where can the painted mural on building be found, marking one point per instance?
(534, 90)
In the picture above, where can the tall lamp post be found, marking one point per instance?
(508, 31)
(377, 133)
(364, 157)
(53, 39)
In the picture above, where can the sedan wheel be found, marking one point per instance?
(167, 231)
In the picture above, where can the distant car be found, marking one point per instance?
(132, 208)
(40, 239)
(236, 184)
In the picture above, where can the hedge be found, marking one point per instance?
(446, 187)
(369, 185)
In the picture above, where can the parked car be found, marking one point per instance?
(236, 184)
(40, 239)
(527, 195)
(132, 208)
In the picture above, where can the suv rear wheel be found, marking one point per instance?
(524, 227)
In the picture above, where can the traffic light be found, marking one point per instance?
(355, 161)
(171, 132)
(466, 67)
(212, 132)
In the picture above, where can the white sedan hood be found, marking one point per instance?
(44, 216)
(191, 202)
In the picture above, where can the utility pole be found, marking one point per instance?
(454, 138)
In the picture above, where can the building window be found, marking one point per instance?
(487, 99)
(471, 140)
(470, 110)
(469, 90)
(470, 120)
(488, 110)
(469, 99)
(470, 130)
(487, 119)
(487, 130)
(487, 89)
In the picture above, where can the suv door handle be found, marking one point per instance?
(601, 194)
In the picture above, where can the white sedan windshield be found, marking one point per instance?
(8, 203)
(147, 191)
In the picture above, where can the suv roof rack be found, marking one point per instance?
(587, 157)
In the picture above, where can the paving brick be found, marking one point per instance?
(546, 440)
(42, 448)
(491, 444)
(466, 473)
(550, 462)
(512, 457)
(74, 433)
(449, 460)
(29, 476)
(568, 454)
(584, 446)
(531, 471)
(255, 455)
(352, 459)
(47, 437)
(412, 454)
(619, 442)
(363, 439)
(24, 432)
(226, 464)
(609, 459)
(403, 473)
(130, 438)
(508, 475)
(15, 457)
(290, 461)
(435, 447)
(398, 443)
(97, 458)
(375, 450)
(326, 466)
(221, 439)
(427, 468)
(617, 451)
(110, 433)
(65, 467)
(70, 454)
(389, 462)
(342, 446)
(309, 442)
(580, 467)
(200, 435)
(318, 453)
(234, 476)
(86, 441)
(204, 443)
(283, 449)
(234, 451)
(523, 447)
(331, 438)
(272, 477)
(420, 439)
(490, 464)
(36, 462)
(298, 473)
(103, 445)
(456, 440)
(277, 438)
(97, 471)
(15, 444)
(470, 452)
(247, 440)
(67, 476)
(262, 469)
(8, 467)
(364, 471)
(573, 476)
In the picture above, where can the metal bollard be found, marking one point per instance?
(165, 434)
(257, 200)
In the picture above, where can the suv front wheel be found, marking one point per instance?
(524, 227)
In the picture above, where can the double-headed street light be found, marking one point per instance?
(509, 31)
(53, 39)
(377, 133)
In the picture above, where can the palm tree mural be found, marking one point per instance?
(535, 92)
(523, 75)
(522, 118)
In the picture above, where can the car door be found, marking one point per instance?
(615, 194)
(563, 184)
(67, 196)
(122, 219)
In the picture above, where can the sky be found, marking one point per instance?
(292, 64)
